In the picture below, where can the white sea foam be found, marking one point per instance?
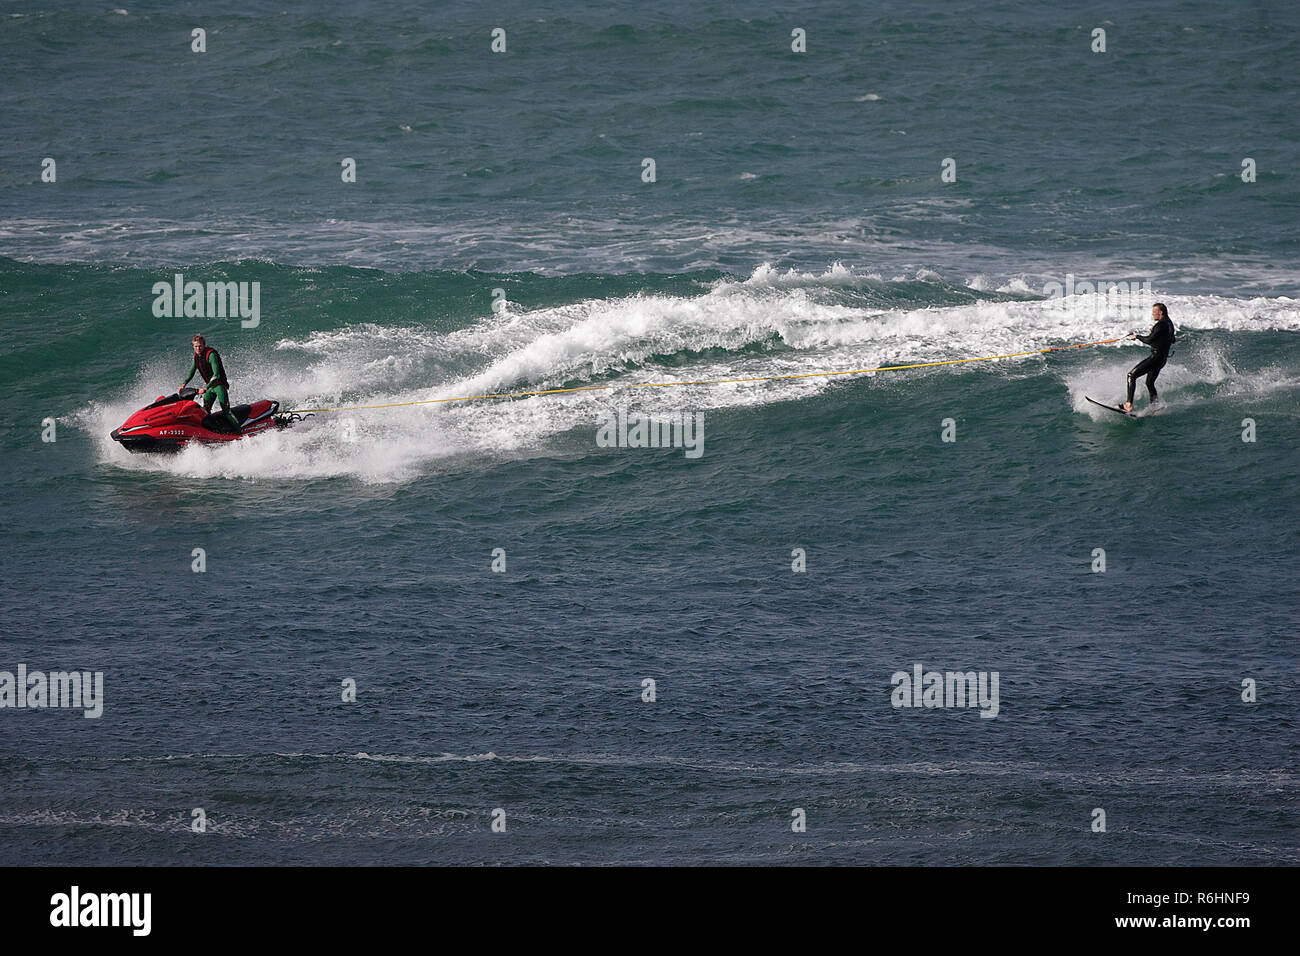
(772, 323)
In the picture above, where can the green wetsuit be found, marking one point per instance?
(215, 383)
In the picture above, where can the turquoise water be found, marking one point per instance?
(798, 224)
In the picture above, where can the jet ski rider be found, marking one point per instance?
(207, 362)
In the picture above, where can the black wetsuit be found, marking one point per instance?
(1161, 340)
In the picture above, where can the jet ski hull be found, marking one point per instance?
(175, 421)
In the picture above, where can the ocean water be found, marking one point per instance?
(797, 223)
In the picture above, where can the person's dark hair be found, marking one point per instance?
(1164, 313)
(202, 341)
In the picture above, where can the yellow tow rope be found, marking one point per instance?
(711, 381)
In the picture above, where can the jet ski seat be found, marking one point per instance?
(217, 422)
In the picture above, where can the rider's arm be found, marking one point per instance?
(194, 367)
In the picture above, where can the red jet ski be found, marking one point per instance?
(175, 420)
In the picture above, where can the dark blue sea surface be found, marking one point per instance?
(798, 223)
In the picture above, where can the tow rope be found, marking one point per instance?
(710, 381)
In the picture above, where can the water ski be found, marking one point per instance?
(1113, 408)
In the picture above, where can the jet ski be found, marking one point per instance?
(173, 421)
